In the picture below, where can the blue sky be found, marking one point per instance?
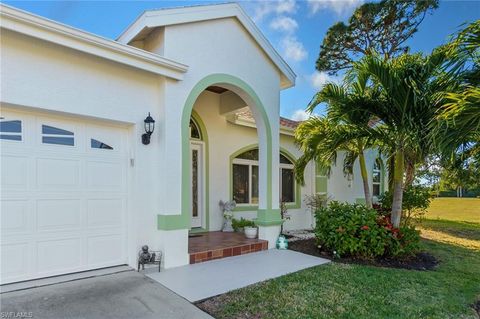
(295, 29)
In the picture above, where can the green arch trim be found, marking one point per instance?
(244, 208)
(182, 221)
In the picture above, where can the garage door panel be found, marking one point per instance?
(14, 217)
(58, 214)
(103, 250)
(14, 262)
(106, 136)
(58, 173)
(60, 255)
(105, 212)
(58, 135)
(105, 175)
(14, 173)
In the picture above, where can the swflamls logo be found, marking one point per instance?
(18, 315)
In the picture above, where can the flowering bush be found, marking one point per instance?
(354, 230)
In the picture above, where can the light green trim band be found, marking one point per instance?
(204, 135)
(360, 200)
(198, 230)
(246, 208)
(173, 222)
(266, 217)
(218, 79)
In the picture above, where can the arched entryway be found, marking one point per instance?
(268, 212)
(174, 227)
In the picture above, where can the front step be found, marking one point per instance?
(215, 245)
(199, 257)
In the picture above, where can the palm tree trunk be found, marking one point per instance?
(410, 175)
(397, 188)
(366, 188)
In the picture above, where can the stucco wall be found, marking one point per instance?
(340, 188)
(51, 79)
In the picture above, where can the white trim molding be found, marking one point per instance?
(35, 26)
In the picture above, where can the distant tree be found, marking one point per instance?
(460, 175)
(381, 27)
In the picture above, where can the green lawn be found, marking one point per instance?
(462, 209)
(341, 290)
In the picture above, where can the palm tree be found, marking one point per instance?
(460, 115)
(413, 88)
(345, 128)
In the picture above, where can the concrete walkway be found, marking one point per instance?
(200, 281)
(117, 296)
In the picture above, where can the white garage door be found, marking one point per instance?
(63, 196)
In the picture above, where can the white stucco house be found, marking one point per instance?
(81, 189)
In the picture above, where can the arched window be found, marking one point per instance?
(245, 178)
(194, 130)
(377, 177)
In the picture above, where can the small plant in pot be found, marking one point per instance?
(246, 226)
(250, 230)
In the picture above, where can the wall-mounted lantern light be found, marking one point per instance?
(149, 127)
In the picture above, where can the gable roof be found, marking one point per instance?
(35, 26)
(163, 17)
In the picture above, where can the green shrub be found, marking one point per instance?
(416, 200)
(239, 224)
(354, 230)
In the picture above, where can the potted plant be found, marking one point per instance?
(250, 229)
(238, 224)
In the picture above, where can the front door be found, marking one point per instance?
(197, 189)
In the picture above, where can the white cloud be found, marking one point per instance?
(285, 24)
(300, 115)
(265, 8)
(286, 6)
(293, 49)
(319, 79)
(341, 8)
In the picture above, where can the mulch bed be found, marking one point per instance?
(476, 307)
(420, 261)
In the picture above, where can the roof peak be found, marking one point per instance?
(151, 19)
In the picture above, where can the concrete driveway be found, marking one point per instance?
(121, 295)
